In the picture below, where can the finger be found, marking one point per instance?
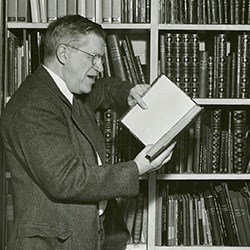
(159, 159)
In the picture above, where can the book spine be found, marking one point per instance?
(222, 41)
(62, 8)
(244, 81)
(176, 72)
(214, 220)
(98, 11)
(220, 12)
(169, 54)
(203, 74)
(239, 141)
(81, 7)
(216, 139)
(22, 11)
(12, 10)
(91, 10)
(116, 56)
(186, 64)
(231, 237)
(138, 219)
(107, 11)
(210, 80)
(195, 65)
(52, 10)
(226, 11)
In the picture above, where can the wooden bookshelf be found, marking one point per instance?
(153, 28)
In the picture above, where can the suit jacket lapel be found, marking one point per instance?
(81, 123)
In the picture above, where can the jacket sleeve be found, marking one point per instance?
(110, 93)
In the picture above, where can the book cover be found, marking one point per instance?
(160, 128)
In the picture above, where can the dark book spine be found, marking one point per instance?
(169, 54)
(209, 11)
(162, 54)
(204, 11)
(243, 11)
(226, 11)
(210, 80)
(238, 218)
(197, 144)
(216, 139)
(232, 11)
(239, 141)
(233, 75)
(220, 12)
(186, 64)
(237, 11)
(231, 239)
(244, 73)
(222, 43)
(176, 72)
(214, 219)
(116, 56)
(138, 219)
(195, 65)
(214, 11)
(203, 74)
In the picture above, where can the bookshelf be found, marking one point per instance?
(152, 33)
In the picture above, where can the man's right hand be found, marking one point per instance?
(145, 165)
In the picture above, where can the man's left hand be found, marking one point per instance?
(136, 93)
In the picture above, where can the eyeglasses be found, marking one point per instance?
(95, 57)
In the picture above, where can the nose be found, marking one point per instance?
(99, 66)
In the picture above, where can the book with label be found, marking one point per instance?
(169, 111)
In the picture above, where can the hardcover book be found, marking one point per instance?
(169, 111)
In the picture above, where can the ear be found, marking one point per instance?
(61, 53)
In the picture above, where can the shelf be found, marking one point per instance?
(222, 101)
(136, 247)
(23, 25)
(204, 27)
(201, 248)
(201, 177)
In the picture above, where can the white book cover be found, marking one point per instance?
(169, 111)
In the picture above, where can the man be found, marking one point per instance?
(55, 150)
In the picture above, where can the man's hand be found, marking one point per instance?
(135, 95)
(145, 165)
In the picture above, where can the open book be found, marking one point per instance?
(169, 111)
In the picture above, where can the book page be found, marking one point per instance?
(167, 104)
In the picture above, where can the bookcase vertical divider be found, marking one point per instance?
(154, 34)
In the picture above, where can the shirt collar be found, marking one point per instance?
(61, 84)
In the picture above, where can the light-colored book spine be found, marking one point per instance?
(116, 11)
(62, 8)
(52, 10)
(90, 10)
(44, 11)
(98, 11)
(22, 10)
(82, 7)
(72, 7)
(12, 10)
(35, 11)
(106, 11)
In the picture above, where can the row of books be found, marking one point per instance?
(217, 142)
(135, 214)
(204, 11)
(216, 214)
(212, 67)
(23, 56)
(100, 11)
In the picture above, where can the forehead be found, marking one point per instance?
(92, 41)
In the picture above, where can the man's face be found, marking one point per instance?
(79, 72)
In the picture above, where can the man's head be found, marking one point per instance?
(73, 49)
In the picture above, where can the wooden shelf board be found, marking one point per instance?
(136, 247)
(222, 101)
(201, 247)
(203, 27)
(201, 177)
(23, 25)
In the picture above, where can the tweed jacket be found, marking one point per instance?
(50, 149)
